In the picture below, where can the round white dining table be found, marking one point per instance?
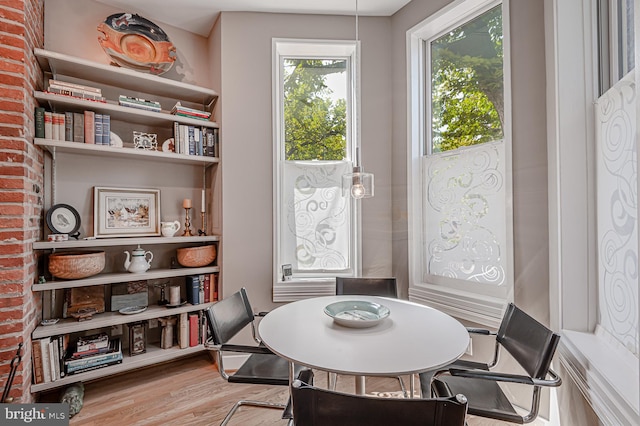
(414, 338)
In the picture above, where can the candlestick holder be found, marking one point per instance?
(187, 223)
(203, 230)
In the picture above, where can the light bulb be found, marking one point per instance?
(357, 191)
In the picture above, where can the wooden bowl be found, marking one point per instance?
(194, 257)
(73, 265)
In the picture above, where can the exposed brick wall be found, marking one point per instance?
(21, 185)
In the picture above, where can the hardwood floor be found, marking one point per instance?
(191, 392)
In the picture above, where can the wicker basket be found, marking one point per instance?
(194, 257)
(72, 265)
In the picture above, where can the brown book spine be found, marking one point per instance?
(36, 352)
(89, 127)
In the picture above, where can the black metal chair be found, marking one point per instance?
(314, 406)
(529, 342)
(383, 287)
(227, 318)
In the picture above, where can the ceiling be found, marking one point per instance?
(198, 16)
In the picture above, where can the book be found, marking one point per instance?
(95, 366)
(89, 127)
(194, 327)
(106, 129)
(48, 125)
(36, 355)
(56, 126)
(78, 127)
(97, 121)
(198, 137)
(183, 330)
(55, 358)
(46, 362)
(74, 93)
(207, 287)
(114, 353)
(68, 126)
(39, 122)
(208, 141)
(176, 137)
(214, 285)
(52, 360)
(192, 140)
(193, 289)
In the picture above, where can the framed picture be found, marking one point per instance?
(287, 272)
(137, 338)
(63, 219)
(125, 212)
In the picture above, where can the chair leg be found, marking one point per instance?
(332, 380)
(404, 390)
(253, 404)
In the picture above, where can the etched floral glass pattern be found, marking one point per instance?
(315, 227)
(465, 215)
(617, 200)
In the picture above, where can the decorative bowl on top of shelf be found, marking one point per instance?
(195, 257)
(136, 43)
(73, 265)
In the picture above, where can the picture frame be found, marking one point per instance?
(137, 338)
(63, 219)
(126, 212)
(287, 272)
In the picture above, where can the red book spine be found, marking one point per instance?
(194, 329)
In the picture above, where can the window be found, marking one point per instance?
(594, 239)
(315, 226)
(460, 184)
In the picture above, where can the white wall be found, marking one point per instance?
(247, 140)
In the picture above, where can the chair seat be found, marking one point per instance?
(485, 397)
(264, 369)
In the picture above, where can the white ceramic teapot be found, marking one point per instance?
(138, 262)
(169, 229)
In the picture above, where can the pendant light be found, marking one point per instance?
(357, 184)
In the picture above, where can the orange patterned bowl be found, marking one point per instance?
(194, 257)
(73, 265)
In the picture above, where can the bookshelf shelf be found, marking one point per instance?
(56, 146)
(111, 242)
(122, 277)
(153, 356)
(108, 319)
(119, 112)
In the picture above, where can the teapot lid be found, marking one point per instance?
(139, 251)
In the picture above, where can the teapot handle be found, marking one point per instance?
(177, 225)
(150, 256)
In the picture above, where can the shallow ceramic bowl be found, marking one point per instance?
(73, 265)
(357, 313)
(195, 257)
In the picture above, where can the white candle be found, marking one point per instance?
(202, 210)
(174, 295)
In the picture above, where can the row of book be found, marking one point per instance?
(195, 140)
(53, 359)
(81, 127)
(192, 329)
(202, 288)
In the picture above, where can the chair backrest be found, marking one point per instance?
(314, 406)
(228, 316)
(528, 341)
(385, 287)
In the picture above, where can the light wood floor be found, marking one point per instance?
(191, 392)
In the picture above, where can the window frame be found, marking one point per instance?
(589, 358)
(319, 284)
(451, 296)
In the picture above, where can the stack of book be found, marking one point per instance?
(139, 103)
(94, 352)
(183, 111)
(76, 90)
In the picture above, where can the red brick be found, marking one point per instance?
(12, 197)
(11, 80)
(9, 223)
(12, 41)
(11, 184)
(7, 53)
(12, 27)
(11, 327)
(12, 15)
(16, 170)
(16, 145)
(15, 314)
(16, 93)
(8, 274)
(11, 262)
(13, 4)
(8, 209)
(11, 119)
(11, 157)
(11, 106)
(10, 302)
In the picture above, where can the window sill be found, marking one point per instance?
(303, 288)
(606, 374)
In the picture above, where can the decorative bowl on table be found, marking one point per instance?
(357, 313)
(195, 257)
(73, 265)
